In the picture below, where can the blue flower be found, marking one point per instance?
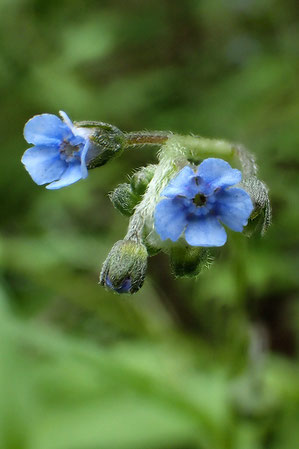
(196, 203)
(59, 151)
(123, 288)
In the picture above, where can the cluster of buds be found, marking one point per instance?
(179, 206)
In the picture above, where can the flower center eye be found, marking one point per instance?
(199, 200)
(68, 151)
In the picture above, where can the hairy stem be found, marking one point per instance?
(146, 137)
(191, 146)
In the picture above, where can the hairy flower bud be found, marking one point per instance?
(124, 199)
(140, 179)
(106, 142)
(188, 261)
(125, 267)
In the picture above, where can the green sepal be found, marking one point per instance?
(188, 261)
(255, 225)
(124, 199)
(151, 249)
(260, 218)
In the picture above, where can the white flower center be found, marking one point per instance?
(69, 152)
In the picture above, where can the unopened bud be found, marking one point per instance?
(124, 199)
(140, 179)
(125, 267)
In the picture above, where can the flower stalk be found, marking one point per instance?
(178, 206)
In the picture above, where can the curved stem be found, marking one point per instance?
(193, 146)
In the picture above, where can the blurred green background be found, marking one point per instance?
(205, 364)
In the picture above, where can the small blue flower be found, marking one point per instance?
(124, 287)
(196, 202)
(59, 151)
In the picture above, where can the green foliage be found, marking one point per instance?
(211, 364)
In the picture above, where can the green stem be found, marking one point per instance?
(201, 147)
(197, 147)
(146, 137)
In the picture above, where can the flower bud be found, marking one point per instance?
(125, 267)
(140, 179)
(106, 140)
(188, 261)
(123, 199)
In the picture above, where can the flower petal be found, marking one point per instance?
(170, 218)
(215, 173)
(43, 164)
(46, 129)
(66, 119)
(205, 231)
(233, 206)
(71, 175)
(84, 170)
(183, 184)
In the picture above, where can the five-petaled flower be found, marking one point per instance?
(59, 151)
(196, 202)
